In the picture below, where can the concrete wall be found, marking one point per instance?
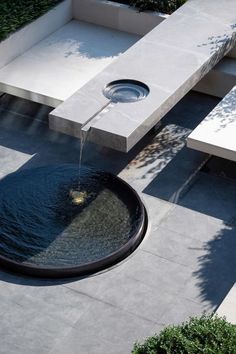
(25, 38)
(220, 80)
(117, 16)
(232, 53)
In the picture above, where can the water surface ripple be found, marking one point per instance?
(40, 225)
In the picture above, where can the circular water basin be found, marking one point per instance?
(125, 91)
(43, 232)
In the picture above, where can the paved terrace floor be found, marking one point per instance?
(185, 265)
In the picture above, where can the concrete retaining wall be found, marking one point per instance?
(26, 37)
(117, 16)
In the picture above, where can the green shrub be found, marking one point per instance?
(165, 6)
(16, 13)
(206, 335)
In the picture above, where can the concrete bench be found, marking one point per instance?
(216, 133)
(170, 60)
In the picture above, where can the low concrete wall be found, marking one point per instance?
(220, 80)
(25, 38)
(232, 53)
(117, 16)
(101, 12)
(121, 17)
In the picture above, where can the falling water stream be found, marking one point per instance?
(84, 135)
(120, 91)
(79, 196)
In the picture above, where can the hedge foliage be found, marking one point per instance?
(205, 335)
(17, 13)
(165, 6)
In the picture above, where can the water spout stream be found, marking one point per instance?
(85, 130)
(79, 195)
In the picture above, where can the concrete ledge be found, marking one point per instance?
(118, 16)
(220, 80)
(216, 133)
(232, 53)
(25, 38)
(53, 69)
(101, 12)
(228, 306)
(170, 59)
(56, 56)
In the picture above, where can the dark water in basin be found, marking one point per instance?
(40, 225)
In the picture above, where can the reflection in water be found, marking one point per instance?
(78, 197)
(40, 224)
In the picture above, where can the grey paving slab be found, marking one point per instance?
(91, 335)
(37, 313)
(191, 223)
(59, 300)
(170, 63)
(151, 270)
(216, 264)
(181, 309)
(217, 197)
(161, 283)
(127, 294)
(76, 342)
(23, 331)
(151, 160)
(175, 247)
(157, 210)
(173, 181)
(204, 288)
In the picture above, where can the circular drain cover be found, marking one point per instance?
(44, 233)
(126, 91)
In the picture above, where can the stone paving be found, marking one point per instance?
(185, 265)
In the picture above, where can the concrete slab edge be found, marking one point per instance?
(23, 39)
(117, 16)
(228, 306)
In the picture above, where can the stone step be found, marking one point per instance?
(220, 80)
(215, 135)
